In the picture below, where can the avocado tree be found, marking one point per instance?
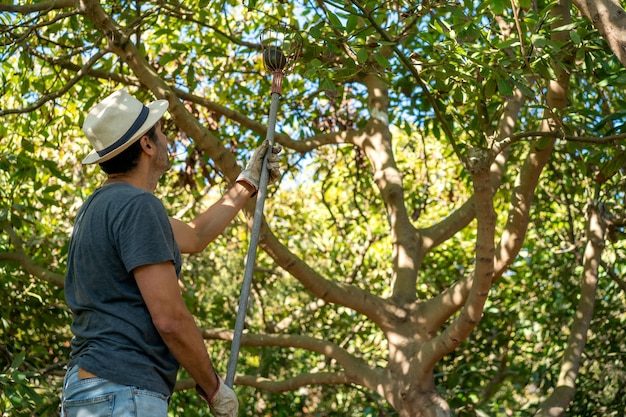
(445, 239)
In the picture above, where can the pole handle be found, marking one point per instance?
(252, 249)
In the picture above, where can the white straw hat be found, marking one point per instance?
(117, 122)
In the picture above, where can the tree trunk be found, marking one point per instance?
(417, 402)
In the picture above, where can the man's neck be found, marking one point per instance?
(144, 175)
(133, 179)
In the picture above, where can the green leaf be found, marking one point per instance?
(51, 189)
(27, 145)
(504, 88)
(490, 87)
(315, 31)
(523, 88)
(569, 27)
(18, 360)
(328, 85)
(615, 116)
(351, 23)
(334, 20)
(613, 165)
(382, 60)
(167, 58)
(497, 6)
(362, 55)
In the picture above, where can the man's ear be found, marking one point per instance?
(147, 145)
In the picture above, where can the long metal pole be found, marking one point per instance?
(254, 236)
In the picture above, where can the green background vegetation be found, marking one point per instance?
(450, 70)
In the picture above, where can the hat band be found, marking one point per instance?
(143, 115)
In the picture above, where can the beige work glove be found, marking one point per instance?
(252, 173)
(224, 402)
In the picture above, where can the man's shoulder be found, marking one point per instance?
(121, 198)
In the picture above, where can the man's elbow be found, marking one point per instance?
(197, 248)
(170, 325)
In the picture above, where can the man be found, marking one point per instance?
(131, 327)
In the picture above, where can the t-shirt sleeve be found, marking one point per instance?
(144, 233)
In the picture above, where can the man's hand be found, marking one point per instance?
(252, 173)
(223, 402)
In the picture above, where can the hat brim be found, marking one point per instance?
(156, 110)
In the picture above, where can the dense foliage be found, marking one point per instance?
(444, 161)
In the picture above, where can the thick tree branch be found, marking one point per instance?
(558, 401)
(277, 387)
(450, 301)
(20, 257)
(609, 17)
(292, 384)
(472, 311)
(32, 268)
(375, 308)
(44, 6)
(376, 143)
(356, 369)
(507, 141)
(517, 223)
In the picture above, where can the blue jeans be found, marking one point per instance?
(97, 397)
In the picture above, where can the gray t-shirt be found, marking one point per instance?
(119, 228)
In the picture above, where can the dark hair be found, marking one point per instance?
(127, 160)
